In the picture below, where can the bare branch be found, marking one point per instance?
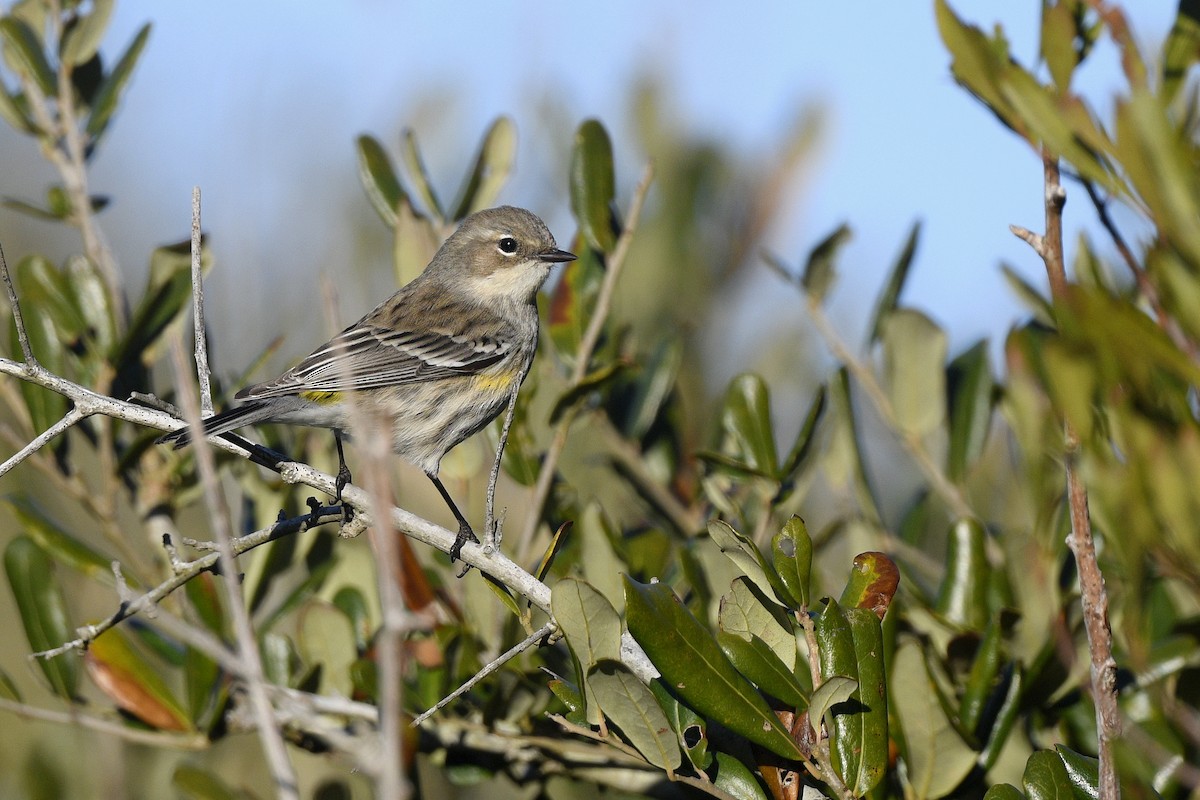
(45, 437)
(120, 730)
(282, 771)
(203, 374)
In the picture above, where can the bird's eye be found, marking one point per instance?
(508, 245)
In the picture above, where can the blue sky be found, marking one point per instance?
(259, 104)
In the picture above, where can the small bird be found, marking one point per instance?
(441, 358)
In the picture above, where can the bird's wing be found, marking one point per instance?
(367, 357)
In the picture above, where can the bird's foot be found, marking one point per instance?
(465, 534)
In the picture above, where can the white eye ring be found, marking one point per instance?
(507, 245)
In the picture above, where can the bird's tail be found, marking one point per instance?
(240, 416)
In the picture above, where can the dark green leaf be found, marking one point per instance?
(981, 682)
(962, 598)
(351, 602)
(570, 307)
(43, 611)
(492, 167)
(15, 111)
(890, 295)
(743, 552)
(970, 397)
(1083, 772)
(1046, 778)
(1005, 716)
(746, 612)
(592, 382)
(732, 776)
(693, 665)
(820, 268)
(164, 302)
(870, 720)
(653, 387)
(690, 727)
(757, 661)
(1003, 791)
(109, 93)
(791, 554)
(593, 185)
(202, 677)
(379, 179)
(24, 54)
(83, 38)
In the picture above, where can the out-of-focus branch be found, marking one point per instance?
(549, 468)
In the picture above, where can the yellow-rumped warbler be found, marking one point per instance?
(441, 358)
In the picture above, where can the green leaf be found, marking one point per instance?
(1003, 791)
(845, 452)
(873, 582)
(1083, 772)
(15, 111)
(379, 179)
(418, 176)
(757, 661)
(833, 690)
(1058, 43)
(802, 448)
(1182, 49)
(629, 703)
(890, 295)
(351, 602)
(820, 267)
(8, 689)
(133, 683)
(692, 664)
(1034, 300)
(278, 655)
(592, 629)
(962, 598)
(745, 554)
(83, 38)
(93, 301)
(914, 365)
(735, 779)
(201, 784)
(1046, 777)
(653, 387)
(791, 554)
(690, 728)
(55, 541)
(493, 165)
(981, 682)
(326, 638)
(163, 304)
(1005, 716)
(43, 610)
(593, 185)
(936, 756)
(970, 390)
(572, 303)
(746, 418)
(202, 676)
(746, 612)
(23, 52)
(109, 93)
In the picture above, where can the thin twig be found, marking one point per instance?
(1093, 595)
(73, 416)
(491, 531)
(282, 772)
(15, 305)
(203, 374)
(945, 488)
(493, 665)
(119, 730)
(545, 479)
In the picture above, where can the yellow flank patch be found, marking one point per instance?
(495, 383)
(322, 398)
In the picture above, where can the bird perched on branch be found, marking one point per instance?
(440, 359)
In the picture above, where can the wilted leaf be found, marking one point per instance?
(133, 683)
(873, 582)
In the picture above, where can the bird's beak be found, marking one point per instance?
(556, 256)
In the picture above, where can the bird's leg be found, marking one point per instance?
(343, 478)
(465, 534)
